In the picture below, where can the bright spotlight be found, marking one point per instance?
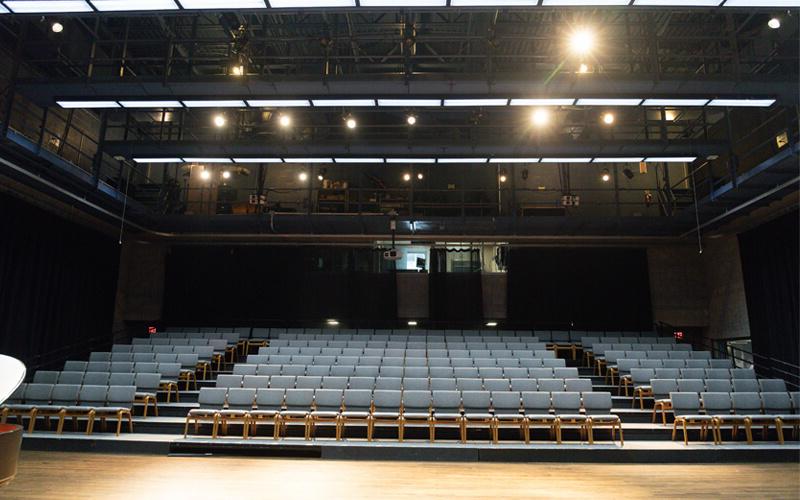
(57, 27)
(332, 322)
(606, 176)
(237, 70)
(491, 323)
(581, 41)
(412, 323)
(774, 23)
(285, 120)
(226, 174)
(205, 175)
(670, 115)
(411, 120)
(219, 121)
(503, 178)
(583, 68)
(320, 177)
(406, 177)
(540, 117)
(351, 123)
(608, 118)
(302, 176)
(420, 176)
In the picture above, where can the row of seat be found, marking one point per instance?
(203, 352)
(285, 359)
(624, 366)
(242, 331)
(217, 344)
(171, 372)
(406, 383)
(530, 344)
(410, 353)
(402, 409)
(704, 409)
(76, 401)
(408, 371)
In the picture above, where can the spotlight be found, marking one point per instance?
(606, 176)
(503, 178)
(491, 323)
(412, 323)
(57, 27)
(219, 121)
(670, 115)
(420, 176)
(320, 177)
(226, 174)
(581, 41)
(583, 68)
(608, 118)
(773, 23)
(351, 122)
(237, 70)
(406, 177)
(302, 176)
(540, 117)
(285, 120)
(411, 120)
(332, 322)
(205, 175)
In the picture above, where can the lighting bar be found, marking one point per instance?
(490, 3)
(222, 4)
(431, 103)
(3, 10)
(403, 3)
(329, 103)
(207, 160)
(410, 160)
(298, 4)
(87, 104)
(308, 160)
(150, 104)
(762, 3)
(358, 160)
(608, 102)
(583, 3)
(257, 160)
(618, 160)
(127, 5)
(513, 160)
(565, 160)
(475, 102)
(672, 159)
(542, 102)
(462, 160)
(675, 102)
(158, 160)
(278, 103)
(679, 3)
(743, 103)
(215, 104)
(47, 6)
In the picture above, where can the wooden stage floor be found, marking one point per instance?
(49, 475)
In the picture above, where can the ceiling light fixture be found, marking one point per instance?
(513, 160)
(87, 104)
(150, 104)
(581, 41)
(308, 160)
(420, 176)
(608, 102)
(675, 102)
(618, 160)
(258, 160)
(56, 27)
(207, 160)
(774, 23)
(220, 103)
(283, 4)
(411, 120)
(222, 4)
(127, 5)
(565, 160)
(285, 120)
(608, 118)
(540, 117)
(302, 176)
(219, 121)
(606, 175)
(158, 160)
(410, 160)
(351, 123)
(415, 103)
(543, 102)
(745, 103)
(350, 103)
(462, 160)
(279, 103)
(358, 160)
(671, 159)
(47, 6)
(474, 102)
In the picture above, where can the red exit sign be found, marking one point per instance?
(678, 335)
(152, 330)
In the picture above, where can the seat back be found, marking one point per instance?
(776, 402)
(147, 381)
(386, 399)
(536, 402)
(416, 401)
(446, 401)
(716, 402)
(663, 387)
(771, 385)
(578, 385)
(718, 385)
(476, 400)
(121, 379)
(299, 399)
(269, 399)
(93, 395)
(121, 396)
(745, 403)
(596, 403)
(212, 397)
(566, 402)
(685, 403)
(745, 385)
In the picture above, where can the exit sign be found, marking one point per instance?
(152, 330)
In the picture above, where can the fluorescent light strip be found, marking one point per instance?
(47, 6)
(679, 3)
(462, 160)
(257, 160)
(671, 159)
(565, 160)
(491, 3)
(403, 3)
(475, 102)
(410, 160)
(150, 104)
(675, 102)
(743, 103)
(762, 3)
(542, 102)
(608, 102)
(128, 5)
(308, 160)
(278, 103)
(618, 160)
(215, 104)
(207, 160)
(87, 104)
(358, 160)
(513, 160)
(430, 103)
(583, 3)
(331, 103)
(223, 4)
(3, 10)
(158, 160)
(298, 4)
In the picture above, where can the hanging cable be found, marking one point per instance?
(697, 216)
(124, 205)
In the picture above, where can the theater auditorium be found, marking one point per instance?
(307, 248)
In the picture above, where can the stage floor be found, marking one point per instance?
(48, 475)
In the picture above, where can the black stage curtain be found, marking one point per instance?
(58, 283)
(770, 268)
(257, 285)
(586, 288)
(455, 297)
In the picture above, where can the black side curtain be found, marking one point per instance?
(591, 288)
(257, 285)
(455, 297)
(770, 267)
(57, 282)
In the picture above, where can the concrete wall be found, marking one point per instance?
(727, 309)
(494, 287)
(140, 290)
(412, 295)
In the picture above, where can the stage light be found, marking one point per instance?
(502, 178)
(412, 323)
(411, 120)
(226, 174)
(302, 176)
(219, 121)
(351, 123)
(491, 323)
(581, 41)
(606, 176)
(205, 175)
(420, 176)
(406, 177)
(774, 23)
(285, 120)
(608, 118)
(57, 27)
(332, 322)
(540, 117)
(583, 68)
